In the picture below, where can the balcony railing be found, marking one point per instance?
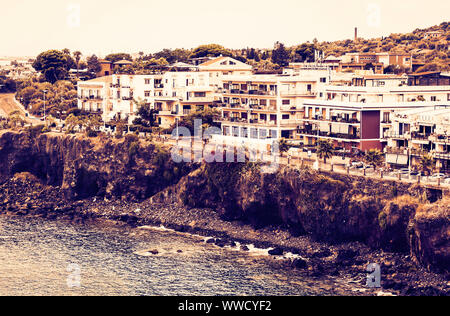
(92, 97)
(250, 92)
(329, 135)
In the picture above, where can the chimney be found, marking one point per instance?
(356, 34)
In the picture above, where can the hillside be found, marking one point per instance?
(433, 51)
(430, 49)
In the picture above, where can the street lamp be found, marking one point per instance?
(45, 117)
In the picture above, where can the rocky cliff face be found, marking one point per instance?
(329, 207)
(84, 167)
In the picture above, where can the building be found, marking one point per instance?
(430, 78)
(95, 96)
(379, 80)
(172, 94)
(224, 66)
(106, 68)
(432, 34)
(385, 58)
(258, 108)
(418, 132)
(357, 117)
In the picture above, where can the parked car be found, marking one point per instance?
(357, 164)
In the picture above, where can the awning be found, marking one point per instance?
(397, 159)
(337, 128)
(324, 127)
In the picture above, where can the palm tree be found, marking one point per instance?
(426, 164)
(324, 149)
(77, 56)
(283, 145)
(374, 157)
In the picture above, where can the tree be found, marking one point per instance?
(71, 122)
(53, 64)
(283, 145)
(211, 50)
(304, 52)
(77, 56)
(146, 115)
(324, 149)
(92, 123)
(208, 118)
(426, 164)
(374, 157)
(118, 56)
(93, 64)
(280, 55)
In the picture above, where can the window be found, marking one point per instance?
(262, 102)
(286, 102)
(147, 81)
(244, 132)
(262, 133)
(285, 117)
(235, 131)
(199, 94)
(147, 94)
(433, 98)
(323, 80)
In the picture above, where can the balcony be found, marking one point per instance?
(329, 135)
(159, 86)
(297, 93)
(91, 97)
(250, 92)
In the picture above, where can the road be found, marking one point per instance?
(8, 105)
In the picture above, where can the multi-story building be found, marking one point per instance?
(355, 117)
(424, 131)
(173, 94)
(261, 107)
(95, 96)
(385, 58)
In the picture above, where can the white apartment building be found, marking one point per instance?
(424, 131)
(95, 96)
(173, 94)
(261, 108)
(357, 117)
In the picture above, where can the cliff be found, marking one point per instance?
(329, 207)
(84, 167)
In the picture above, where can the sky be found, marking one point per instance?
(29, 27)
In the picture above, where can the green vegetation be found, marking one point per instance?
(208, 118)
(60, 97)
(324, 149)
(210, 50)
(54, 65)
(426, 164)
(374, 157)
(146, 117)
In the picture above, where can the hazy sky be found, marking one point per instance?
(31, 26)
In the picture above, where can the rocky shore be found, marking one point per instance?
(337, 224)
(25, 195)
